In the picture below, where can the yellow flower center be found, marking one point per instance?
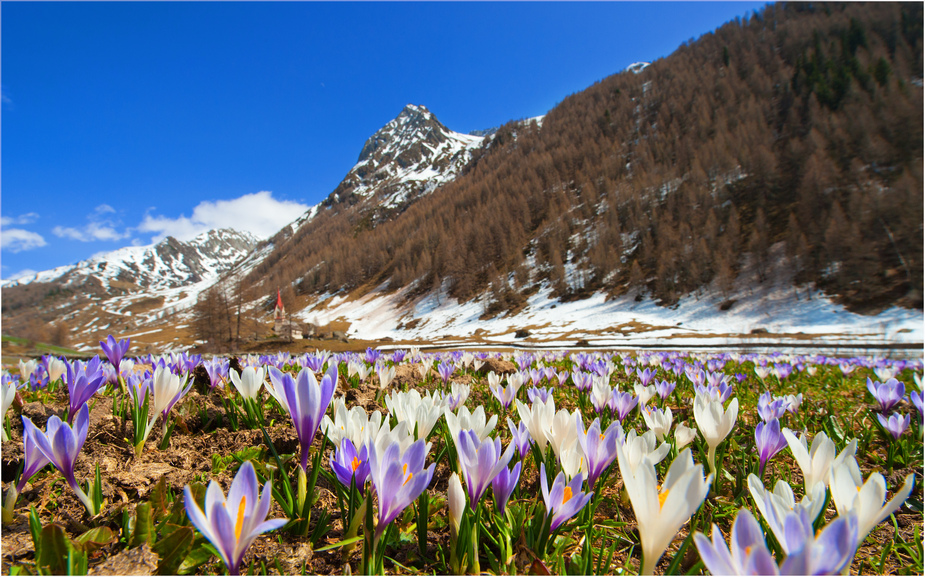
(355, 463)
(240, 524)
(661, 499)
(404, 470)
(566, 495)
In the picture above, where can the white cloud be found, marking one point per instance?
(258, 213)
(18, 240)
(94, 231)
(27, 218)
(97, 229)
(23, 273)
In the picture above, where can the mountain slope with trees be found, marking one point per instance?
(800, 125)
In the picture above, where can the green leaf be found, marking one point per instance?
(197, 557)
(343, 543)
(172, 550)
(35, 527)
(55, 550)
(144, 526)
(95, 538)
(158, 498)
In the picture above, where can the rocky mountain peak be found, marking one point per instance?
(409, 156)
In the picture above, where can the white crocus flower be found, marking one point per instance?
(538, 419)
(572, 458)
(886, 373)
(775, 507)
(248, 382)
(762, 371)
(683, 435)
(865, 499)
(644, 394)
(386, 376)
(714, 423)
(816, 460)
(56, 368)
(601, 392)
(354, 424)
(424, 368)
(166, 387)
(563, 432)
(126, 367)
(7, 394)
(638, 448)
(658, 420)
(661, 510)
(459, 392)
(416, 410)
(516, 380)
(26, 368)
(494, 380)
(456, 499)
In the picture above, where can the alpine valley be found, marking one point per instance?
(762, 185)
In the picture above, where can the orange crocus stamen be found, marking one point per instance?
(356, 463)
(404, 470)
(566, 495)
(240, 524)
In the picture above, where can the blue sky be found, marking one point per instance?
(124, 122)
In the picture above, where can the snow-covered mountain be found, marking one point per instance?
(411, 155)
(168, 264)
(129, 289)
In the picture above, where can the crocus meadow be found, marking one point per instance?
(405, 461)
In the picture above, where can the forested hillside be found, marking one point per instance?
(801, 124)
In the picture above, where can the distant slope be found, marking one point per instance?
(132, 288)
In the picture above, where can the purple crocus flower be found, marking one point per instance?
(622, 403)
(827, 554)
(504, 484)
(115, 350)
(769, 440)
(481, 462)
(535, 394)
(716, 380)
(564, 501)
(306, 402)
(520, 437)
(33, 457)
(646, 376)
(537, 375)
(887, 394)
(505, 395)
(582, 380)
(782, 371)
(916, 398)
(769, 408)
(446, 371)
(232, 524)
(741, 377)
(351, 465)
(61, 444)
(83, 381)
(664, 388)
(749, 555)
(599, 448)
(217, 369)
(895, 424)
(398, 479)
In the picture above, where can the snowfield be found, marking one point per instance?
(777, 314)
